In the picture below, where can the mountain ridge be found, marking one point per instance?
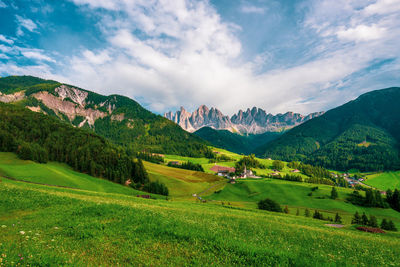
(362, 134)
(117, 118)
(251, 121)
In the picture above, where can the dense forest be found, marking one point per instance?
(37, 137)
(138, 129)
(241, 144)
(363, 134)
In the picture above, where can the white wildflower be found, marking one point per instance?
(22, 232)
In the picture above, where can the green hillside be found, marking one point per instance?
(136, 128)
(296, 195)
(184, 183)
(37, 137)
(384, 181)
(55, 227)
(363, 134)
(57, 174)
(242, 144)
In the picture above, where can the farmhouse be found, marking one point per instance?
(174, 163)
(296, 171)
(222, 170)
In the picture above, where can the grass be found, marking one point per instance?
(58, 174)
(75, 228)
(183, 183)
(384, 180)
(295, 195)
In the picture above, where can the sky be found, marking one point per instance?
(302, 56)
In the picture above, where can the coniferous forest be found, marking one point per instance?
(41, 138)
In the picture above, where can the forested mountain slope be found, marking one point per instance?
(242, 144)
(37, 137)
(118, 118)
(362, 134)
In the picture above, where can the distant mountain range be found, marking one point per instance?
(363, 134)
(251, 121)
(118, 118)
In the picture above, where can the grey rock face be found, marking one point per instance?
(251, 121)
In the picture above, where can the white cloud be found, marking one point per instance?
(383, 7)
(362, 33)
(187, 55)
(248, 9)
(2, 4)
(24, 23)
(5, 39)
(36, 55)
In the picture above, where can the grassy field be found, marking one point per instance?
(235, 157)
(183, 183)
(54, 173)
(384, 180)
(55, 227)
(247, 193)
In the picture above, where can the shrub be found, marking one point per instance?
(269, 204)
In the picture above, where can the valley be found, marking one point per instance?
(73, 184)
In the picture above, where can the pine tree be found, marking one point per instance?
(307, 213)
(373, 221)
(334, 193)
(356, 218)
(338, 219)
(297, 212)
(391, 226)
(364, 219)
(384, 224)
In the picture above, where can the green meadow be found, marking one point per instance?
(247, 192)
(184, 183)
(384, 181)
(58, 174)
(51, 226)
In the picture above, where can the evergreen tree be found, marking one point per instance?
(307, 213)
(373, 221)
(364, 219)
(384, 224)
(356, 218)
(391, 226)
(338, 219)
(334, 193)
(297, 212)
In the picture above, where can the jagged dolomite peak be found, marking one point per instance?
(251, 121)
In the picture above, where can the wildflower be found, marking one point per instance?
(3, 226)
(22, 232)
(56, 227)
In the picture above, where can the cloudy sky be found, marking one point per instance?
(301, 56)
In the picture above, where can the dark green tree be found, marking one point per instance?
(269, 204)
(338, 219)
(364, 219)
(373, 222)
(334, 193)
(307, 213)
(356, 218)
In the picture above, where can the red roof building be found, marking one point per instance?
(217, 168)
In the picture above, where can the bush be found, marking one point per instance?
(269, 204)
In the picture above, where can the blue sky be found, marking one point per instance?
(301, 56)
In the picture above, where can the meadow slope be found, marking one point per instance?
(54, 226)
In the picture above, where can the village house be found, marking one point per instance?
(222, 170)
(296, 171)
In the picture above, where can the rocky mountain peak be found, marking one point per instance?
(251, 121)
